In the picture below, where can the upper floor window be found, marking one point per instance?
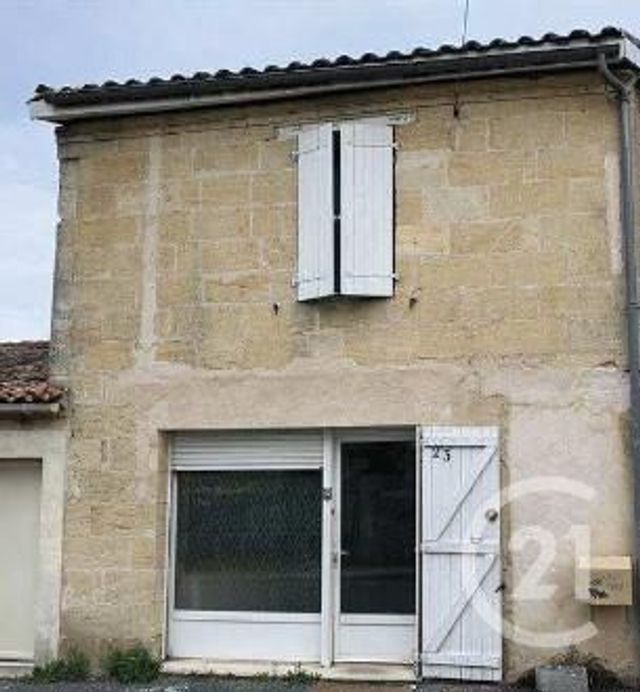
(345, 209)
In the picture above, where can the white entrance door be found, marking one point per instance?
(19, 531)
(374, 550)
(461, 581)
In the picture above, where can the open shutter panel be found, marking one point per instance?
(315, 213)
(366, 192)
(460, 571)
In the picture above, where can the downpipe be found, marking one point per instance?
(626, 92)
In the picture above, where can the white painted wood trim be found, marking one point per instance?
(173, 532)
(17, 656)
(467, 660)
(328, 510)
(335, 557)
(376, 619)
(168, 561)
(244, 616)
(470, 548)
(418, 541)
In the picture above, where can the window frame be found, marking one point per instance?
(391, 120)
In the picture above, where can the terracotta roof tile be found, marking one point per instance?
(24, 374)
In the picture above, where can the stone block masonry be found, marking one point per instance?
(174, 309)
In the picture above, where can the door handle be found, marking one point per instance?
(335, 557)
(491, 514)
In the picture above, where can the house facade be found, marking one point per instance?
(345, 348)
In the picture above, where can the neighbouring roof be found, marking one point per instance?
(24, 374)
(579, 48)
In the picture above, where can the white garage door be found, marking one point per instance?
(19, 531)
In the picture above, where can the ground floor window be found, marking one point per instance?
(249, 541)
(294, 545)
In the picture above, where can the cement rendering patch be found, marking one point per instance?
(562, 679)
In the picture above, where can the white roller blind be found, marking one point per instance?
(250, 449)
(315, 212)
(366, 231)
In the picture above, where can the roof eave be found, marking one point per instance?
(60, 108)
(30, 410)
(630, 50)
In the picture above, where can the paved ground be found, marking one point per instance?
(221, 684)
(204, 684)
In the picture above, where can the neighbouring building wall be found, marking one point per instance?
(45, 441)
(174, 309)
(636, 136)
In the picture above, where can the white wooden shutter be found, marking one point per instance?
(460, 544)
(315, 212)
(366, 196)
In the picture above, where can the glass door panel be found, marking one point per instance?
(378, 528)
(376, 616)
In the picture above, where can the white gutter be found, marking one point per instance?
(631, 51)
(26, 409)
(39, 109)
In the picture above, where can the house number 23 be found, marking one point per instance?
(441, 454)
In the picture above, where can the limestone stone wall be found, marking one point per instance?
(174, 309)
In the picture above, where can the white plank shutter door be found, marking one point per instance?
(315, 212)
(460, 544)
(366, 196)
